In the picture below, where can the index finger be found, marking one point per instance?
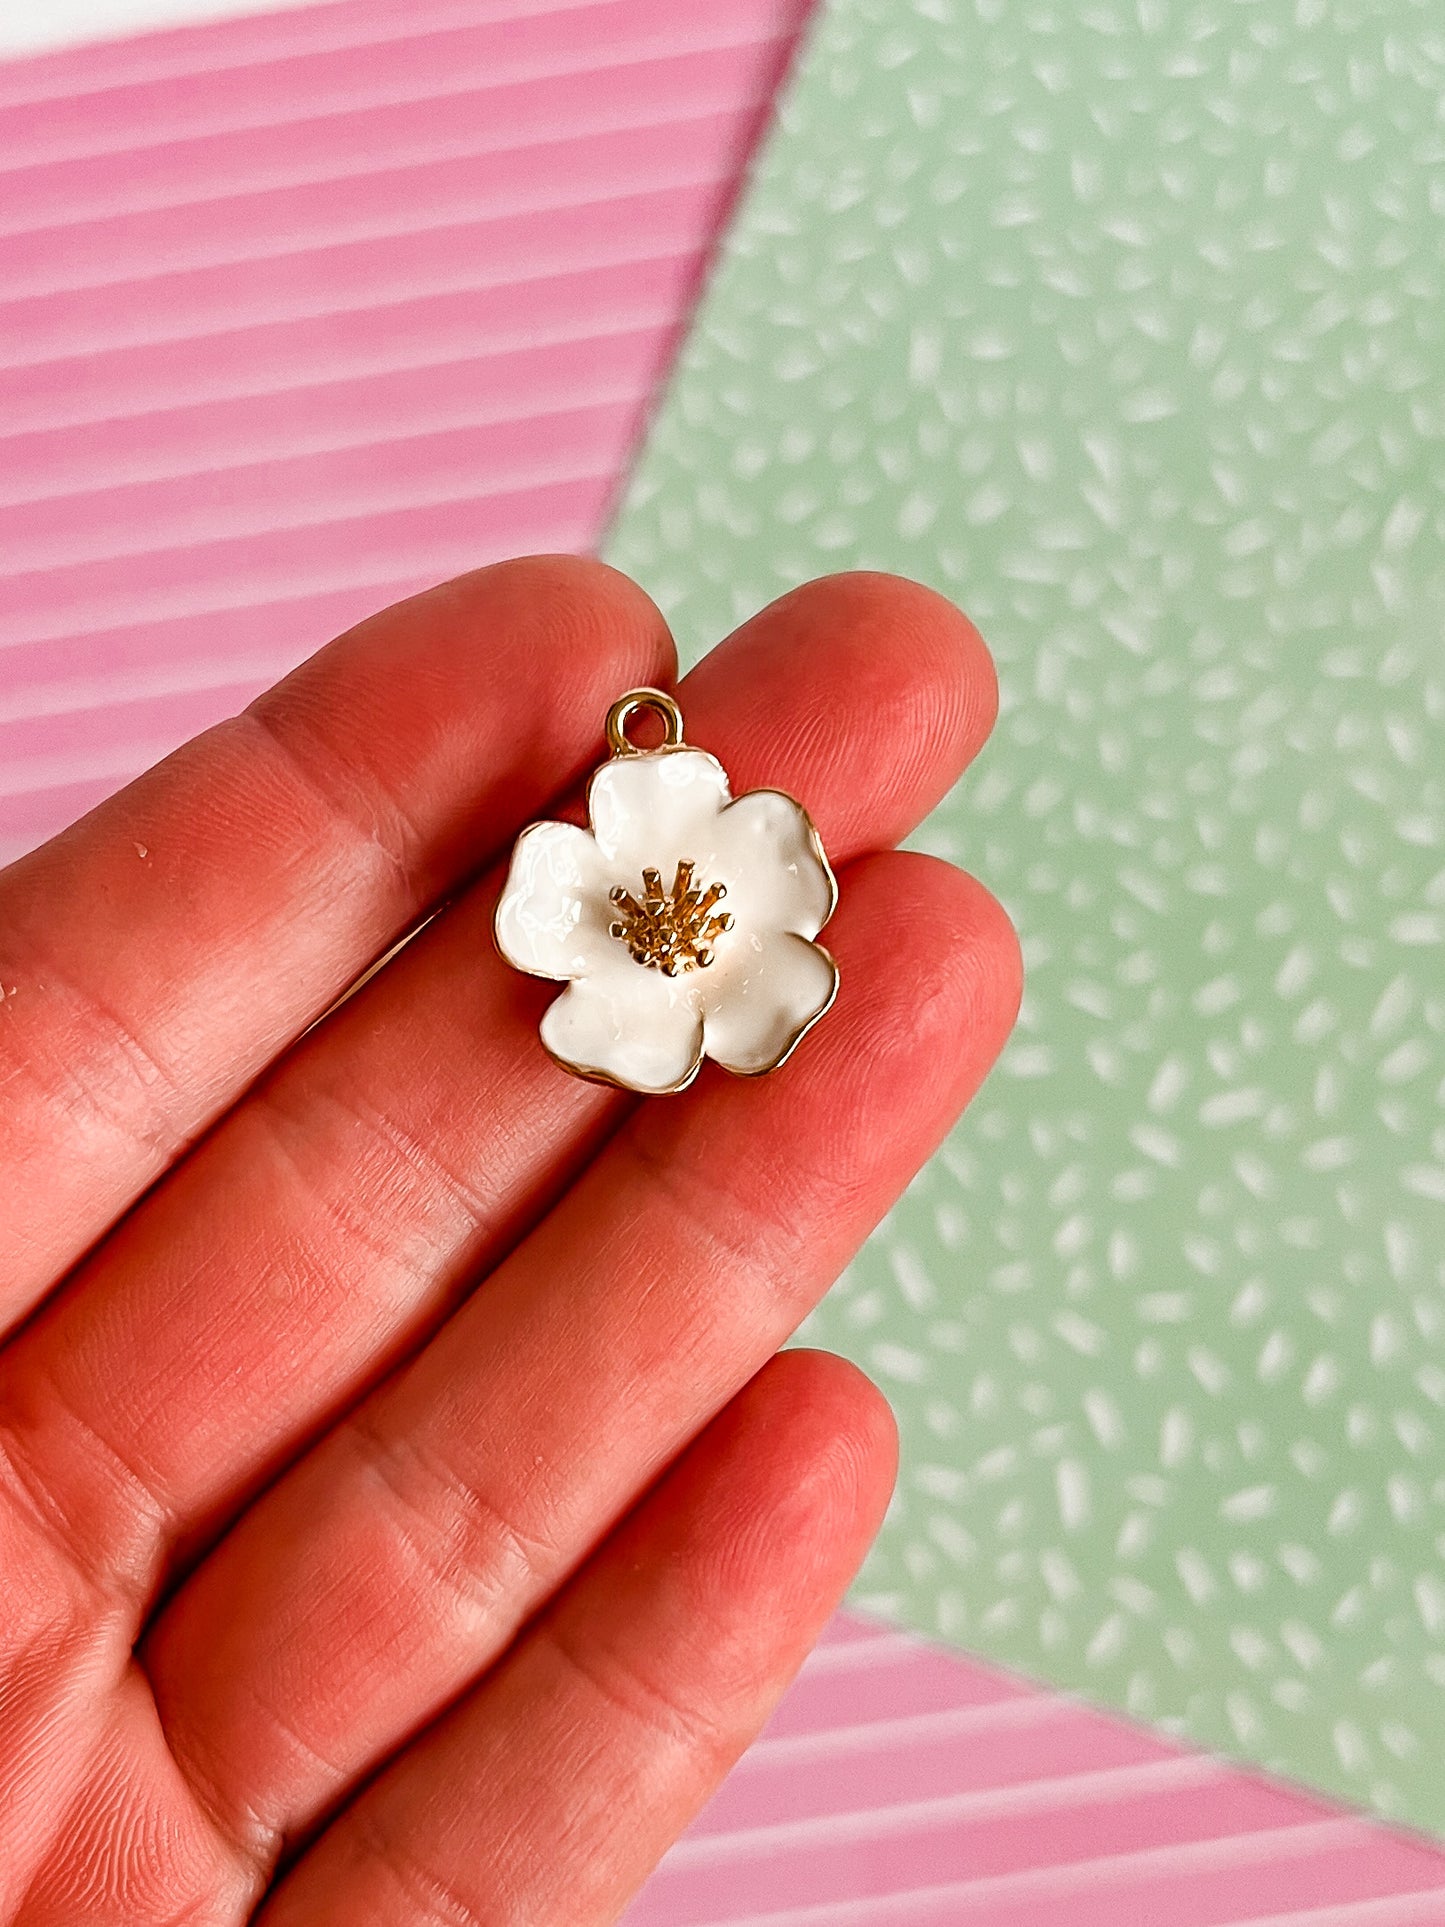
(157, 955)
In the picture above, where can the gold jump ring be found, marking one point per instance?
(628, 706)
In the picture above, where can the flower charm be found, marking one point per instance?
(681, 924)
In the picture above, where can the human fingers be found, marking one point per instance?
(159, 953)
(343, 1208)
(391, 1566)
(551, 1791)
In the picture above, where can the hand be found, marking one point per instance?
(403, 1517)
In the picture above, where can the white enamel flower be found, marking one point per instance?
(682, 924)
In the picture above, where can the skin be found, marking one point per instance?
(404, 1518)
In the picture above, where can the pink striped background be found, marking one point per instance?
(902, 1784)
(301, 311)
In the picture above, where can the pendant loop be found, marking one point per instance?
(628, 706)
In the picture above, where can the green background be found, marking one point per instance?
(1122, 324)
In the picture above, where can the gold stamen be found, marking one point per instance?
(670, 930)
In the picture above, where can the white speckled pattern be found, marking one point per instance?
(1123, 323)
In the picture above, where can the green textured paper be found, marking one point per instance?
(1122, 324)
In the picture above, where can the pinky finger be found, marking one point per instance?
(551, 1791)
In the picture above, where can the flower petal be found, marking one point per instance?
(771, 988)
(627, 1025)
(653, 808)
(552, 915)
(768, 853)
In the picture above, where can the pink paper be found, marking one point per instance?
(900, 1785)
(303, 311)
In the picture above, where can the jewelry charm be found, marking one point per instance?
(682, 922)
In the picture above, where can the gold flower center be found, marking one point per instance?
(671, 930)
